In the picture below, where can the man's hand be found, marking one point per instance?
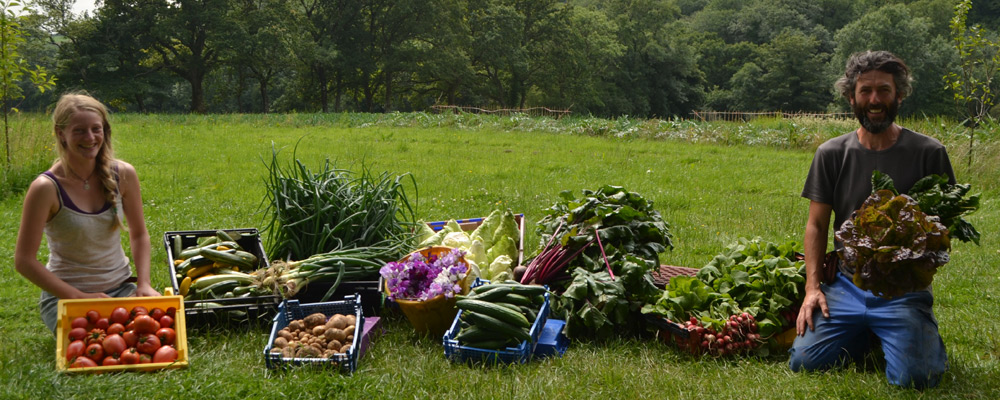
(814, 298)
(815, 252)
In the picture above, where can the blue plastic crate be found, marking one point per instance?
(510, 355)
(552, 341)
(290, 310)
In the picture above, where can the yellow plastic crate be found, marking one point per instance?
(69, 309)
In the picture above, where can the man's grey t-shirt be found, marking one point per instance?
(841, 171)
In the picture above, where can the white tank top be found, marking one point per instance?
(84, 250)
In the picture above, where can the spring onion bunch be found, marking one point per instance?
(288, 278)
(314, 213)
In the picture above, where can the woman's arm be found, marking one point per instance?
(138, 235)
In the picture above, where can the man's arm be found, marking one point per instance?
(817, 230)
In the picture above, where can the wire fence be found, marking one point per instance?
(743, 116)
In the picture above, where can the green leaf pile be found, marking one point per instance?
(624, 220)
(754, 276)
(632, 233)
(893, 246)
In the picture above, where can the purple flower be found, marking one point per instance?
(422, 278)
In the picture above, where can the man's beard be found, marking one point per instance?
(876, 127)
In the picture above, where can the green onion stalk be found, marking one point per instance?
(318, 212)
(288, 278)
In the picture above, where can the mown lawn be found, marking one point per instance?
(712, 183)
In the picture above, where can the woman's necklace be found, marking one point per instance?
(86, 182)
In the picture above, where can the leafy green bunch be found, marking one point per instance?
(935, 196)
(761, 278)
(623, 220)
(619, 237)
(893, 247)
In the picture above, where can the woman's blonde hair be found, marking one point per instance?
(68, 105)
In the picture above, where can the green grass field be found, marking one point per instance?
(713, 183)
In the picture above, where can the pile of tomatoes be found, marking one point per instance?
(136, 336)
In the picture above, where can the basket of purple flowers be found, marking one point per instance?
(424, 285)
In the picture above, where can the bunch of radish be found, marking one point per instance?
(738, 335)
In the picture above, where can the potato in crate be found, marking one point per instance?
(487, 329)
(212, 270)
(91, 336)
(324, 334)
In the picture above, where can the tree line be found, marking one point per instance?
(643, 58)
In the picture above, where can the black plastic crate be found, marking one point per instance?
(372, 296)
(290, 310)
(252, 310)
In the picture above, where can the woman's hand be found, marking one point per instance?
(98, 295)
(146, 290)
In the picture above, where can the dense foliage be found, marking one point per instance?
(646, 58)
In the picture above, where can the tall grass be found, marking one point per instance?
(713, 182)
(31, 151)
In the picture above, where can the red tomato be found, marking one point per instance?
(75, 349)
(130, 326)
(109, 360)
(77, 333)
(116, 329)
(102, 323)
(131, 338)
(165, 354)
(145, 358)
(93, 316)
(148, 343)
(82, 362)
(119, 315)
(95, 336)
(130, 356)
(79, 322)
(137, 311)
(157, 313)
(145, 324)
(172, 311)
(114, 345)
(94, 352)
(166, 336)
(166, 321)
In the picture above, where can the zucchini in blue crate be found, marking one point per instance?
(497, 315)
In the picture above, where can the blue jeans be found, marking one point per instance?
(49, 305)
(914, 352)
